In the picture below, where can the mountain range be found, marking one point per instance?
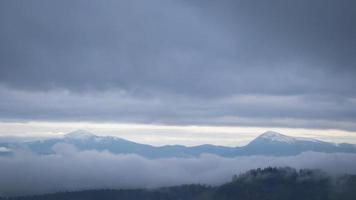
(269, 143)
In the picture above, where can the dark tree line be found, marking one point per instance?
(258, 184)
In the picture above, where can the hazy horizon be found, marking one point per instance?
(176, 72)
(159, 135)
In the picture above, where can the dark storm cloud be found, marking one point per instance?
(280, 62)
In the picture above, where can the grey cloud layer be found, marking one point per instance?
(69, 169)
(119, 106)
(180, 61)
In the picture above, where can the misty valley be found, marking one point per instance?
(82, 165)
(268, 184)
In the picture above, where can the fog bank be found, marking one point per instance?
(70, 169)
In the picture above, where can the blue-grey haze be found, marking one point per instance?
(81, 161)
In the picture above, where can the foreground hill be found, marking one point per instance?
(266, 184)
(268, 143)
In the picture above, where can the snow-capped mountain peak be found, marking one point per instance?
(276, 137)
(79, 134)
(272, 136)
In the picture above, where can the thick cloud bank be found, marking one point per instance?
(69, 169)
(279, 63)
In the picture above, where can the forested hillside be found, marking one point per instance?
(259, 184)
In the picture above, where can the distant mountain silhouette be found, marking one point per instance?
(269, 143)
(276, 144)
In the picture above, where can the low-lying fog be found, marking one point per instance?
(70, 169)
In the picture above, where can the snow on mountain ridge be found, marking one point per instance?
(80, 134)
(268, 135)
(268, 143)
(275, 136)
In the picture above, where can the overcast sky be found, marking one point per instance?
(242, 63)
